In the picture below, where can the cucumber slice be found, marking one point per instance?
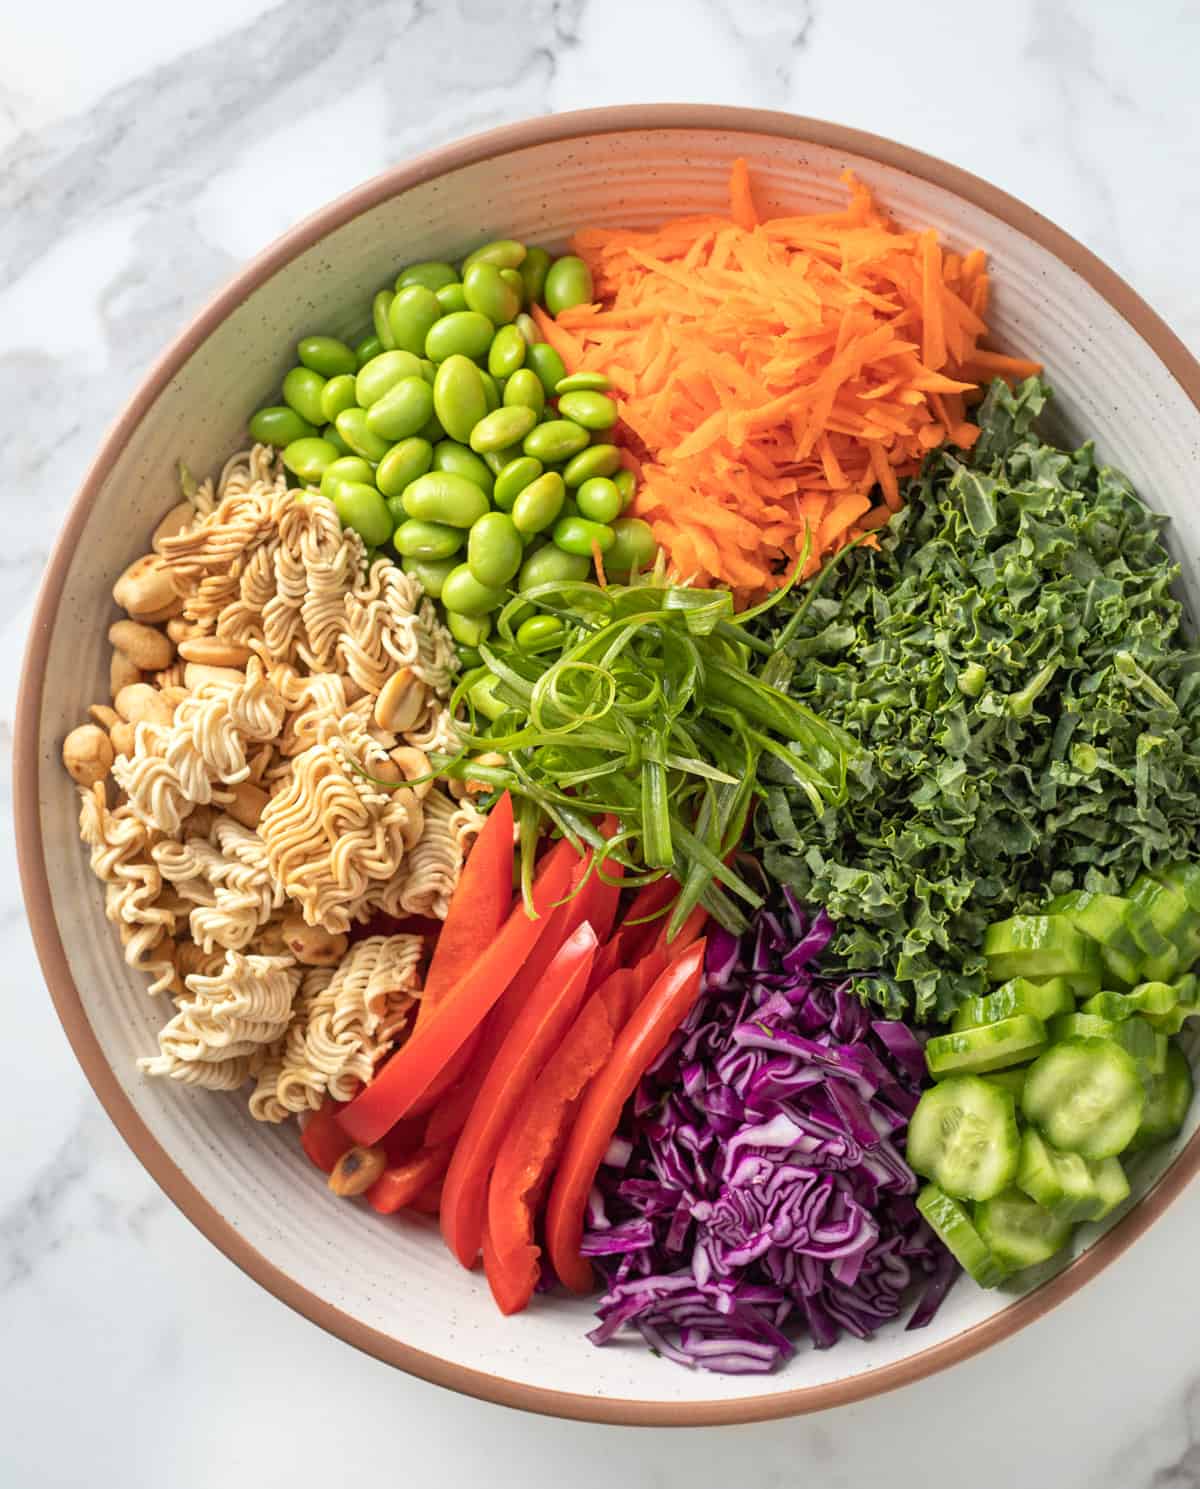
(1106, 919)
(1085, 1096)
(1040, 946)
(1062, 1183)
(1168, 1097)
(1111, 1185)
(1188, 1005)
(963, 1136)
(1146, 997)
(951, 1224)
(988, 1047)
(1165, 927)
(1019, 995)
(1012, 1081)
(1148, 1047)
(1080, 1026)
(1018, 1231)
(1184, 879)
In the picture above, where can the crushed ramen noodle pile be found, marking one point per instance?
(262, 783)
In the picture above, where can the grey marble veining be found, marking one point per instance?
(144, 153)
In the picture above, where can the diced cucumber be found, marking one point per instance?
(1188, 989)
(1019, 995)
(1063, 1183)
(988, 1047)
(1168, 1097)
(1111, 1184)
(1106, 918)
(1148, 1047)
(1080, 1026)
(1018, 1231)
(1036, 946)
(1146, 997)
(1165, 926)
(952, 1226)
(1085, 1096)
(1184, 878)
(963, 1136)
(1012, 1081)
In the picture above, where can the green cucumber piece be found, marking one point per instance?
(1165, 927)
(1184, 879)
(963, 1136)
(1144, 1043)
(1187, 988)
(1168, 1097)
(1018, 1231)
(1019, 995)
(988, 1047)
(1080, 1026)
(1111, 1185)
(1038, 946)
(951, 1224)
(1085, 1096)
(1106, 918)
(1146, 997)
(1063, 1183)
(1012, 1081)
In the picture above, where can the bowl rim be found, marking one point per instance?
(28, 750)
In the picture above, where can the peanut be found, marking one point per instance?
(413, 764)
(312, 944)
(146, 589)
(247, 804)
(179, 517)
(196, 674)
(87, 754)
(143, 645)
(400, 701)
(488, 758)
(122, 672)
(212, 651)
(123, 737)
(180, 629)
(356, 1171)
(101, 714)
(141, 704)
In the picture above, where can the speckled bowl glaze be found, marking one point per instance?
(389, 1287)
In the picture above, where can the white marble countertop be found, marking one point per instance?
(147, 150)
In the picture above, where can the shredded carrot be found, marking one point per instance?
(778, 377)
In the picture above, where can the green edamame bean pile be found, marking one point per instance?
(452, 438)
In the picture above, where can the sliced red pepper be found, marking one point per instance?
(411, 1070)
(537, 1030)
(637, 932)
(401, 1184)
(450, 1115)
(323, 1137)
(643, 1038)
(429, 1201)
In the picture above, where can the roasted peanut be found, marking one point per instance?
(488, 758)
(143, 645)
(212, 651)
(196, 674)
(101, 714)
(180, 516)
(413, 765)
(179, 628)
(312, 944)
(356, 1171)
(247, 803)
(122, 672)
(400, 701)
(145, 588)
(123, 737)
(139, 703)
(88, 754)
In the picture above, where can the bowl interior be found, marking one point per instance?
(392, 1281)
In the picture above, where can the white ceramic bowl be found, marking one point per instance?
(389, 1287)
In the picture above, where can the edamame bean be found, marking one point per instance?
(464, 333)
(464, 593)
(416, 539)
(577, 534)
(592, 410)
(361, 507)
(494, 550)
(380, 306)
(402, 464)
(512, 278)
(596, 460)
(442, 496)
(302, 390)
(524, 390)
(513, 479)
(346, 468)
(548, 365)
(335, 439)
(626, 483)
(410, 315)
(539, 633)
(430, 573)
(309, 458)
(550, 565)
(449, 455)
(539, 503)
(528, 329)
(507, 352)
(428, 370)
(488, 294)
(599, 500)
(326, 355)
(384, 372)
(459, 397)
(469, 631)
(633, 543)
(568, 282)
(403, 409)
(558, 439)
(584, 382)
(504, 253)
(491, 390)
(367, 349)
(451, 298)
(279, 425)
(501, 428)
(432, 431)
(351, 424)
(432, 273)
(533, 271)
(496, 460)
(337, 394)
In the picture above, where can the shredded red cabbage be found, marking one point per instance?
(758, 1190)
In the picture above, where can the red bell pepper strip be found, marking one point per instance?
(538, 1029)
(414, 1066)
(643, 1038)
(450, 1115)
(323, 1138)
(512, 1285)
(405, 1182)
(429, 1201)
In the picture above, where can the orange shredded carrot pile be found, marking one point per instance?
(779, 376)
